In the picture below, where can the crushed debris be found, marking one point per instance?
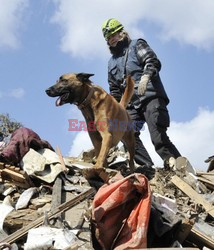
(59, 203)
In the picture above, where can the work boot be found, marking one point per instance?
(149, 172)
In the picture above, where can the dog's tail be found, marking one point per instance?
(126, 98)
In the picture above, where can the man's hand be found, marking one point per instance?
(143, 84)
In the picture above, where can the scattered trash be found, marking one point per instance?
(179, 210)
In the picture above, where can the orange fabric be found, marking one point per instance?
(121, 212)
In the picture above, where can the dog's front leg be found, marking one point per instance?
(105, 147)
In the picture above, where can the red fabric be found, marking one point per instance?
(20, 143)
(121, 213)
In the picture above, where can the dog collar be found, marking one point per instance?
(87, 99)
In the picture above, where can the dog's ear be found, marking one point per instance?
(84, 77)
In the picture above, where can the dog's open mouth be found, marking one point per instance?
(62, 99)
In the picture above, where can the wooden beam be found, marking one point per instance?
(201, 239)
(189, 191)
(58, 151)
(57, 196)
(205, 173)
(62, 208)
(206, 181)
(15, 175)
(9, 174)
(57, 193)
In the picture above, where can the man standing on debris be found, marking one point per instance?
(149, 102)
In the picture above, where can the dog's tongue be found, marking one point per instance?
(58, 101)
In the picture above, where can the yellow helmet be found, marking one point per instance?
(110, 27)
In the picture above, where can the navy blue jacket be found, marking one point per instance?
(140, 60)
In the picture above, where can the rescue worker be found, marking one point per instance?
(149, 102)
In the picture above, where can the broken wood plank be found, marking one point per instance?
(57, 196)
(208, 177)
(62, 208)
(15, 175)
(201, 239)
(15, 178)
(9, 174)
(184, 187)
(58, 151)
(205, 173)
(206, 181)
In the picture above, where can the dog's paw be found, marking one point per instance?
(95, 173)
(104, 176)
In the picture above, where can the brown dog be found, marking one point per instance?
(108, 119)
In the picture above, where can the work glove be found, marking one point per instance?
(143, 84)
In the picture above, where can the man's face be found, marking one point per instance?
(114, 39)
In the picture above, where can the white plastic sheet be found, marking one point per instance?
(44, 237)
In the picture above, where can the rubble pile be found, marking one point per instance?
(59, 206)
(58, 210)
(182, 192)
(194, 203)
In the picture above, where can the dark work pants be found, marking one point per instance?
(155, 114)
